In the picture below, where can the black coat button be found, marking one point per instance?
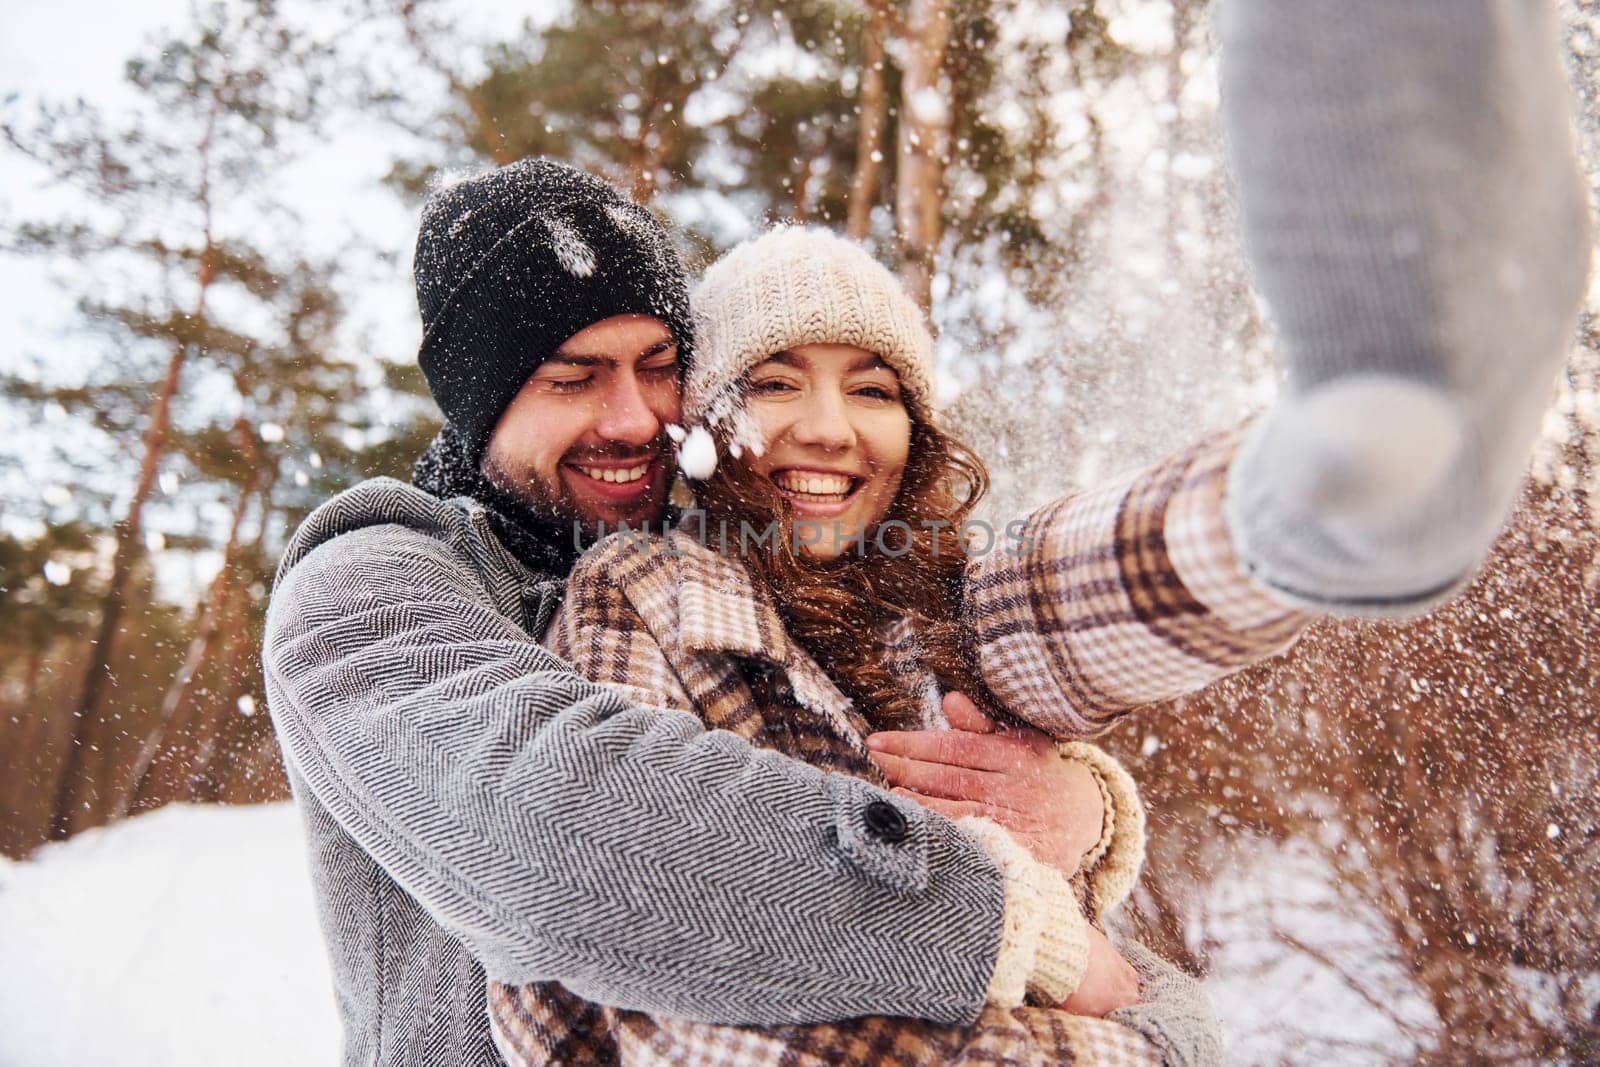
(885, 822)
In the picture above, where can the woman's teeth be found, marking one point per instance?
(820, 485)
(613, 474)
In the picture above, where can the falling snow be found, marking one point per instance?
(1373, 750)
(572, 251)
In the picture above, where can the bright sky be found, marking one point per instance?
(51, 50)
(46, 52)
(59, 50)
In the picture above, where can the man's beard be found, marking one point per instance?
(553, 505)
(557, 506)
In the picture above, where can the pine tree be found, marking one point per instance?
(173, 180)
(605, 89)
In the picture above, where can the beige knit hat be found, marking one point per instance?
(798, 285)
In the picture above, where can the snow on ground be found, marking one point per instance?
(1345, 999)
(186, 936)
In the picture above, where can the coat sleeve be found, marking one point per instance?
(1123, 596)
(1110, 868)
(564, 833)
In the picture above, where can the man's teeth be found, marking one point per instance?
(613, 474)
(814, 484)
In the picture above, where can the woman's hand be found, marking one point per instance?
(1014, 777)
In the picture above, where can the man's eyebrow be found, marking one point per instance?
(581, 359)
(659, 347)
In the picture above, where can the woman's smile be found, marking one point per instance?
(825, 494)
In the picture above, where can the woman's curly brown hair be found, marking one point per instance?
(833, 607)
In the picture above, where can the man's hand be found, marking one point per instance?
(1109, 982)
(1014, 777)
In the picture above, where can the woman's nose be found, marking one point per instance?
(824, 422)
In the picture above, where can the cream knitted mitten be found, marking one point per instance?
(1111, 868)
(1044, 940)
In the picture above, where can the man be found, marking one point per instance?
(473, 805)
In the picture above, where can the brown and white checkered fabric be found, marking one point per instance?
(1024, 1036)
(529, 1029)
(546, 1024)
(1123, 597)
(1112, 607)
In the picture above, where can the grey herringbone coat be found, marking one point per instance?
(472, 804)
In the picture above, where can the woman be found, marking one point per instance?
(850, 616)
(1425, 257)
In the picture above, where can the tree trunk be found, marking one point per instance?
(649, 152)
(28, 741)
(801, 210)
(212, 614)
(1178, 131)
(924, 149)
(31, 687)
(217, 731)
(874, 110)
(77, 797)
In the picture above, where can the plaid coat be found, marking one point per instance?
(1118, 597)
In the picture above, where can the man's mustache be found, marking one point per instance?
(615, 453)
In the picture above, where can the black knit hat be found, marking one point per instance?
(513, 262)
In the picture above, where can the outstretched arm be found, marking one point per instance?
(1415, 218)
(1122, 596)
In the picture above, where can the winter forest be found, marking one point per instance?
(1384, 849)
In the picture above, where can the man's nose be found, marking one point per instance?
(625, 413)
(823, 422)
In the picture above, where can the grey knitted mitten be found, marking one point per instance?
(1173, 1012)
(1418, 227)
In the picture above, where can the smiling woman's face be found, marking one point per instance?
(837, 435)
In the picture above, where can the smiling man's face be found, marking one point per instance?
(585, 441)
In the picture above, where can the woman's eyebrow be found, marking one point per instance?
(869, 361)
